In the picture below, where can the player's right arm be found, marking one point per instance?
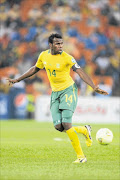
(87, 79)
(33, 70)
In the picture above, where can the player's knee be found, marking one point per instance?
(67, 119)
(59, 127)
(66, 125)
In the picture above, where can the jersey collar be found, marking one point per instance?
(49, 52)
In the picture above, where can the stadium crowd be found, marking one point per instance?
(91, 33)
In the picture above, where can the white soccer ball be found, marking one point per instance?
(104, 136)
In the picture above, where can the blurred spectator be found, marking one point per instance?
(34, 79)
(105, 10)
(103, 66)
(81, 85)
(14, 17)
(93, 21)
(102, 39)
(30, 106)
(32, 32)
(82, 61)
(89, 43)
(35, 12)
(60, 2)
(72, 32)
(3, 13)
(47, 4)
(15, 35)
(12, 2)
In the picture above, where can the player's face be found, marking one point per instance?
(57, 46)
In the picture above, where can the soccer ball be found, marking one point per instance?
(104, 136)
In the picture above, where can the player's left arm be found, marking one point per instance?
(87, 79)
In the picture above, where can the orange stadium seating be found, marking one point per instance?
(7, 71)
(26, 6)
(106, 79)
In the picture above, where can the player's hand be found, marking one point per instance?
(11, 81)
(100, 91)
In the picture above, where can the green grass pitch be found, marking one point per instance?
(36, 151)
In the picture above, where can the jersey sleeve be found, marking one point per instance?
(39, 62)
(71, 61)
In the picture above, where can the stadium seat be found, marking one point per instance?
(7, 71)
(105, 79)
(25, 7)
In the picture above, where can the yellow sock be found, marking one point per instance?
(80, 129)
(75, 142)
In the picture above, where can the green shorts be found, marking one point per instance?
(63, 100)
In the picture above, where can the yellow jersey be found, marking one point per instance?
(57, 68)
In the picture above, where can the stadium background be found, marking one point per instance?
(91, 31)
(91, 34)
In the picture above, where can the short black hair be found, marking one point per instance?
(52, 36)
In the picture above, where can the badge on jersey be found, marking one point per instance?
(73, 60)
(57, 65)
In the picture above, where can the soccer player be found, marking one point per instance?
(64, 91)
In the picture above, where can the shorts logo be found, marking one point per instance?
(68, 104)
(73, 60)
(58, 121)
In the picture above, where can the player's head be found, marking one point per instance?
(56, 43)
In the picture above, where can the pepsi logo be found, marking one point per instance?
(20, 100)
